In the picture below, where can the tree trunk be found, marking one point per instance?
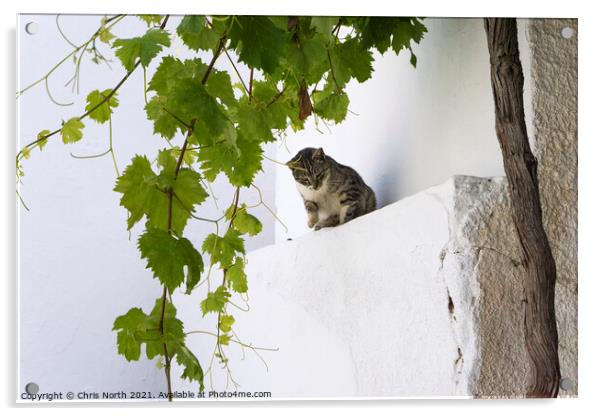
(541, 336)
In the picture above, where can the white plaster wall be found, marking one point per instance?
(77, 268)
(362, 310)
(415, 127)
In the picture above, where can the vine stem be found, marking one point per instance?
(242, 82)
(251, 84)
(219, 314)
(110, 150)
(165, 352)
(236, 341)
(262, 202)
(87, 113)
(332, 71)
(73, 52)
(111, 145)
(278, 95)
(90, 111)
(170, 196)
(58, 26)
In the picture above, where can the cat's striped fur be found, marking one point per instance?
(333, 193)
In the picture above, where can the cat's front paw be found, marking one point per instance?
(317, 227)
(311, 222)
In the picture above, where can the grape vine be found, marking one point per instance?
(299, 66)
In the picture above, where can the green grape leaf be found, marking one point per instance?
(105, 107)
(105, 35)
(350, 59)
(281, 22)
(212, 245)
(308, 58)
(26, 152)
(164, 124)
(215, 301)
(357, 59)
(190, 156)
(247, 223)
(151, 19)
(333, 107)
(173, 329)
(224, 339)
(146, 193)
(324, 24)
(168, 72)
(267, 93)
(407, 29)
(260, 42)
(240, 161)
(182, 96)
(136, 186)
(413, 59)
(394, 32)
(217, 158)
(402, 36)
(236, 277)
(71, 131)
(377, 32)
(290, 104)
(192, 367)
(167, 162)
(188, 189)
(171, 71)
(167, 256)
(191, 99)
(42, 142)
(226, 322)
(248, 163)
(196, 34)
(232, 239)
(278, 112)
(145, 48)
(136, 328)
(151, 43)
(127, 326)
(219, 86)
(223, 249)
(339, 69)
(244, 222)
(254, 121)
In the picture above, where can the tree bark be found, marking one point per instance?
(541, 335)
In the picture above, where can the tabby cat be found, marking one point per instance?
(333, 193)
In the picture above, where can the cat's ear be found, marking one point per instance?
(318, 154)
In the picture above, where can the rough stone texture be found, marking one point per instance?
(554, 89)
(485, 242)
(501, 274)
(480, 251)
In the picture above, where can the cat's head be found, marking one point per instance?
(309, 167)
